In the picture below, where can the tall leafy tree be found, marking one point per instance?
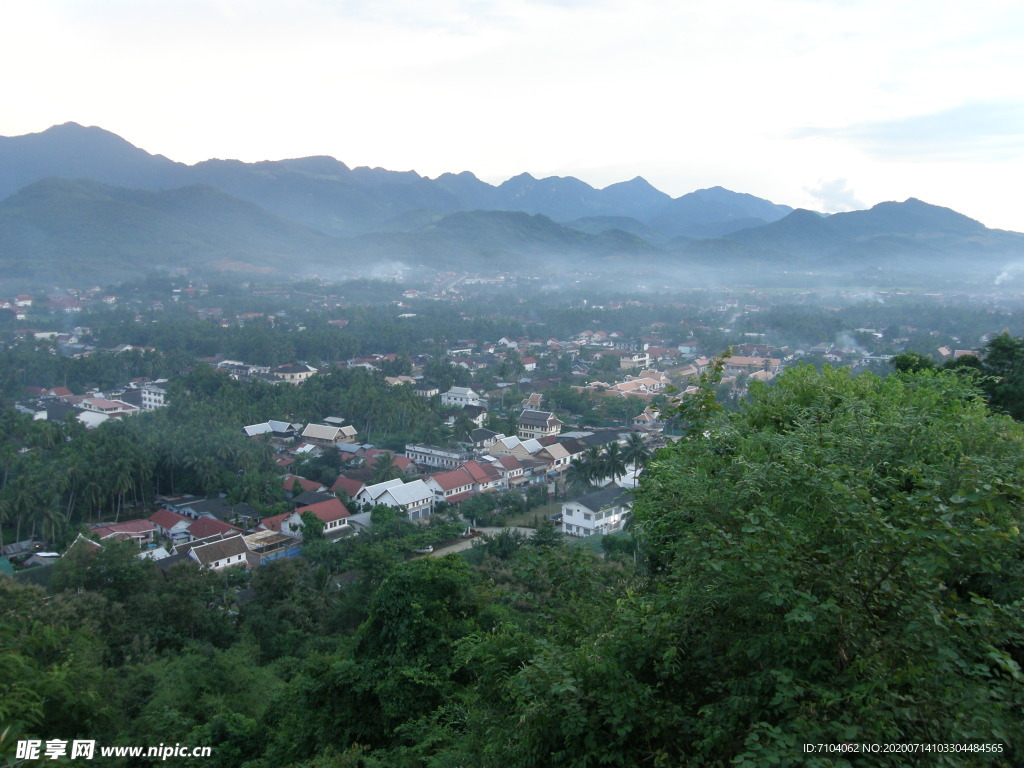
(840, 560)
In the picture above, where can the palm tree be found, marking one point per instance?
(591, 460)
(613, 461)
(384, 468)
(636, 452)
(463, 426)
(577, 476)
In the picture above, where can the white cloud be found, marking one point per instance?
(688, 94)
(835, 196)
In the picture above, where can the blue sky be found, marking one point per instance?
(825, 104)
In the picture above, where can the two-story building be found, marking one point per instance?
(457, 397)
(534, 424)
(436, 457)
(600, 512)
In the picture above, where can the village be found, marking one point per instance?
(508, 415)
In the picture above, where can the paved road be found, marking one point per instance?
(467, 543)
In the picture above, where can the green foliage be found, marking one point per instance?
(503, 544)
(113, 570)
(860, 539)
(1003, 367)
(312, 527)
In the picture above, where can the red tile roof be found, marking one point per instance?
(350, 486)
(453, 479)
(166, 519)
(274, 523)
(508, 461)
(328, 511)
(207, 526)
(306, 485)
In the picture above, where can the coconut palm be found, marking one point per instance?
(636, 452)
(385, 468)
(613, 461)
(577, 477)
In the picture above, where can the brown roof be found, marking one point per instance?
(274, 523)
(219, 550)
(166, 519)
(455, 478)
(352, 487)
(328, 511)
(207, 526)
(508, 461)
(306, 485)
(130, 528)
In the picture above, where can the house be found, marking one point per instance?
(513, 445)
(651, 418)
(415, 498)
(205, 527)
(533, 401)
(426, 391)
(629, 360)
(332, 513)
(456, 397)
(452, 487)
(281, 429)
(226, 553)
(293, 373)
(434, 456)
(484, 438)
(533, 424)
(511, 469)
(348, 485)
(325, 435)
(486, 477)
(308, 498)
(600, 512)
(196, 508)
(476, 415)
(153, 396)
(141, 532)
(556, 455)
(108, 408)
(171, 524)
(293, 484)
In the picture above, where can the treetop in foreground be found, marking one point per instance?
(841, 560)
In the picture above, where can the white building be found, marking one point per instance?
(457, 397)
(153, 396)
(414, 498)
(600, 512)
(435, 456)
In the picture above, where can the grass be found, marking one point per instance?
(540, 514)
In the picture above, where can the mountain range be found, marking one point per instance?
(80, 203)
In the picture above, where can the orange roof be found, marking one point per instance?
(207, 526)
(166, 519)
(455, 478)
(328, 511)
(274, 523)
(306, 485)
(350, 486)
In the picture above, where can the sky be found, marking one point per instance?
(830, 105)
